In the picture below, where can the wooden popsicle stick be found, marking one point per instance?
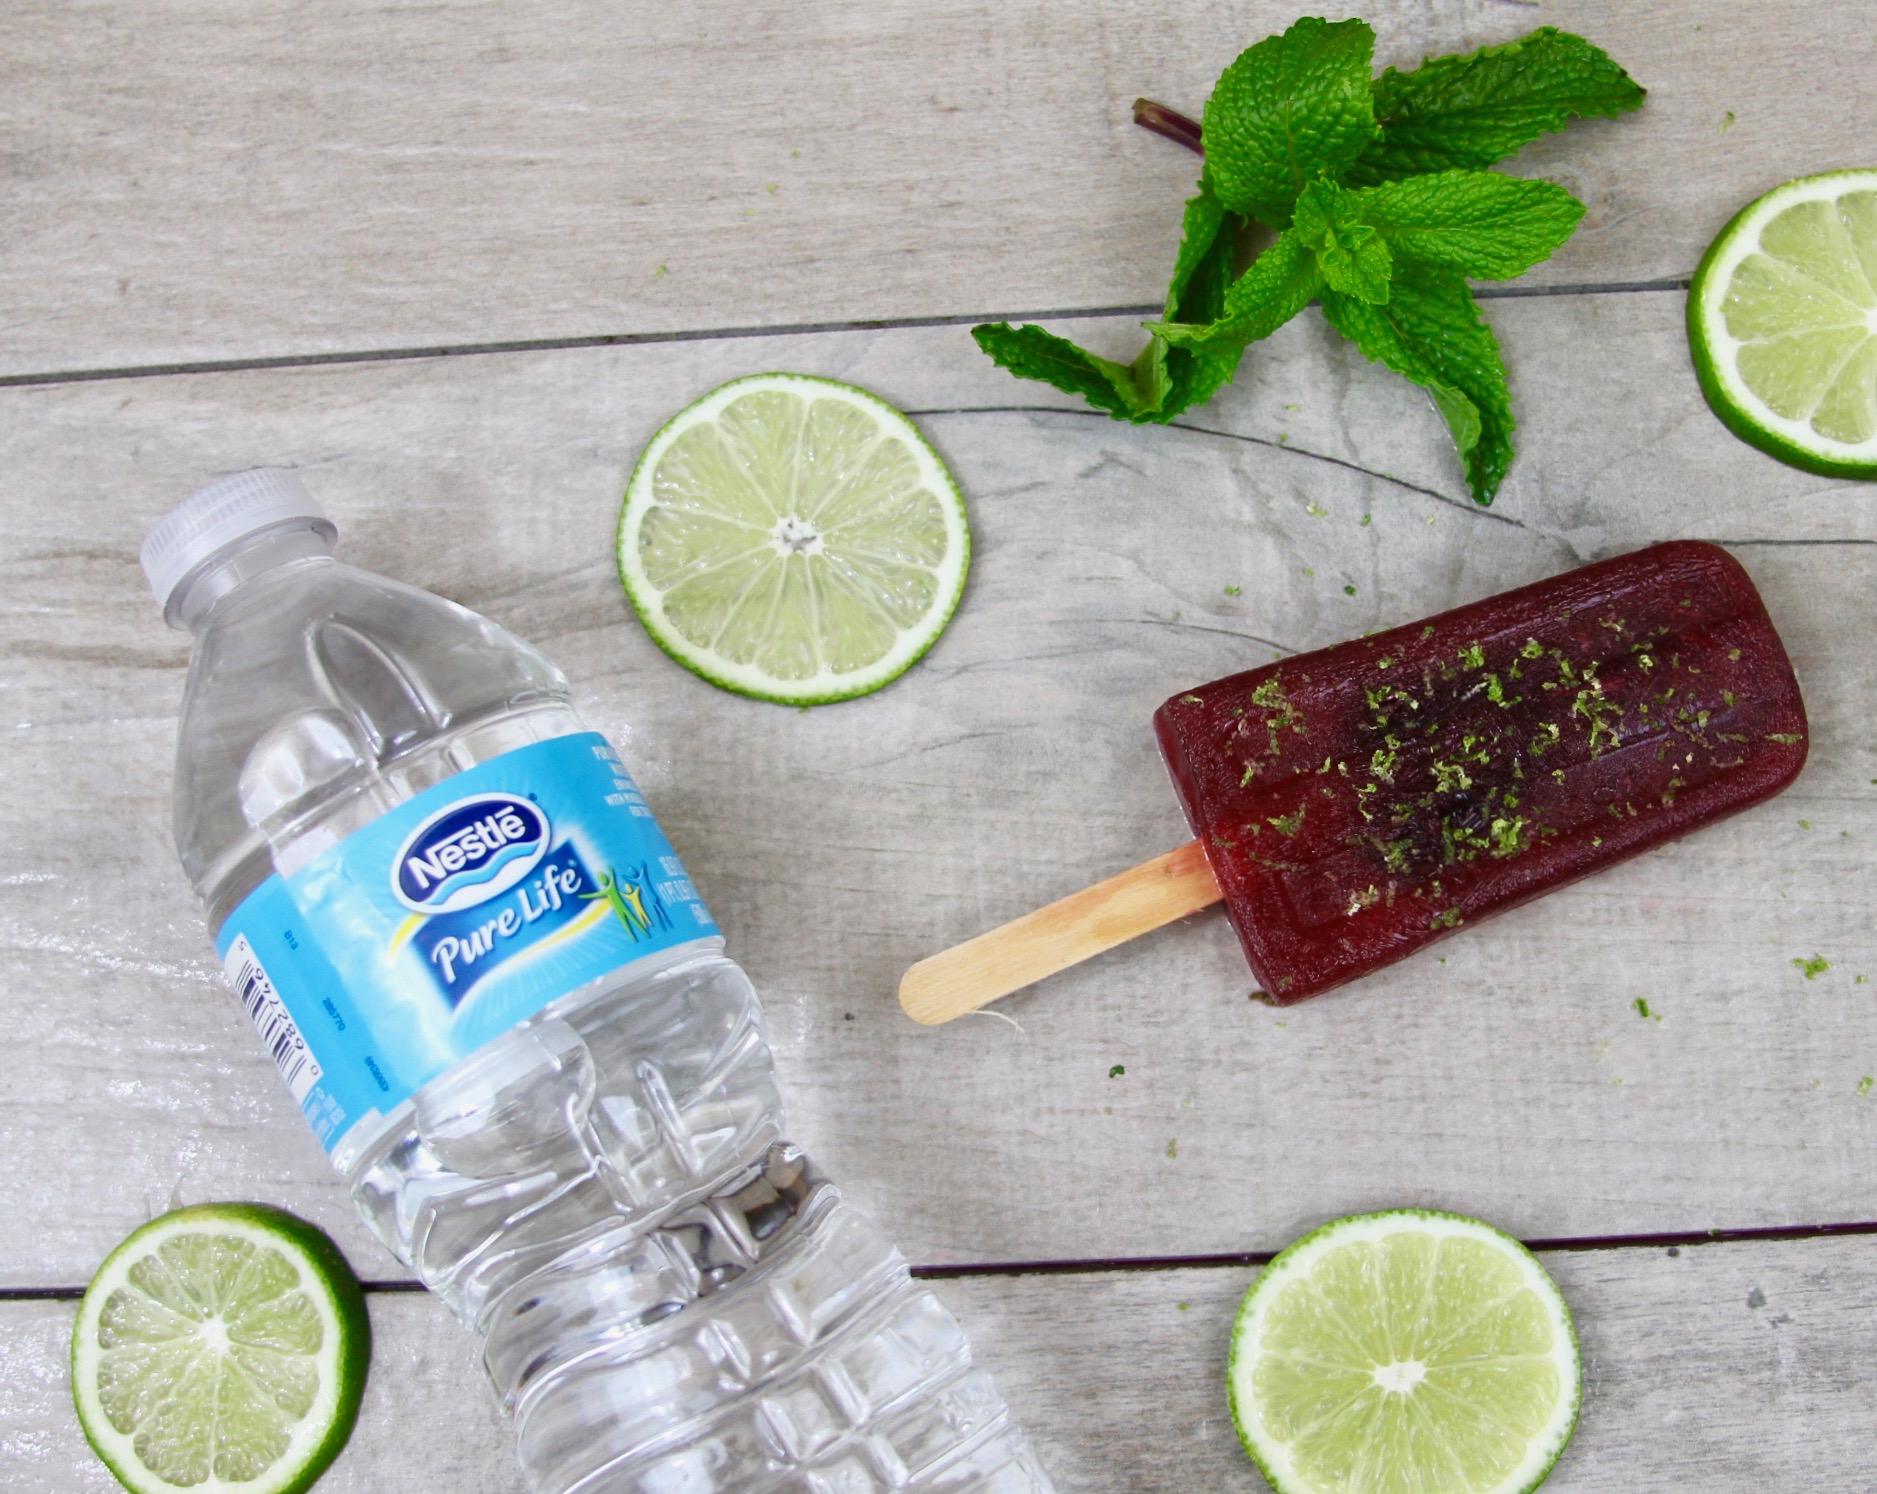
(980, 970)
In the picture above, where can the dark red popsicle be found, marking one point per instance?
(1362, 801)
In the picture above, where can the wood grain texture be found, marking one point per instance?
(1070, 930)
(252, 179)
(1509, 1076)
(1723, 1367)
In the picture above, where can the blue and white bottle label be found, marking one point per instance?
(442, 924)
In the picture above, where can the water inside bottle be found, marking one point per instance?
(670, 1296)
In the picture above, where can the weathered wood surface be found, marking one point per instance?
(244, 182)
(247, 179)
(1507, 1074)
(1722, 1367)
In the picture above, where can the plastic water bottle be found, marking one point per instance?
(495, 994)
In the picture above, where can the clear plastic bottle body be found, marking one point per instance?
(671, 1299)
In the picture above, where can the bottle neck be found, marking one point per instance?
(231, 568)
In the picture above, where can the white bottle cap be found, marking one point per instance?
(224, 513)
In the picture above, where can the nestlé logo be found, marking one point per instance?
(469, 852)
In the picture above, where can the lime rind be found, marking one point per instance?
(878, 615)
(1273, 1455)
(1828, 302)
(325, 1280)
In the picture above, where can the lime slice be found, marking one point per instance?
(794, 539)
(221, 1348)
(1782, 320)
(1408, 1352)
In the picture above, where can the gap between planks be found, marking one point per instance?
(641, 339)
(1233, 1260)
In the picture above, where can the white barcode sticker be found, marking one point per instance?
(280, 1034)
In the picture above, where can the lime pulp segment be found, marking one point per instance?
(793, 538)
(220, 1348)
(1404, 1353)
(1782, 321)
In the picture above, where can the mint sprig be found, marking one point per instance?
(1383, 212)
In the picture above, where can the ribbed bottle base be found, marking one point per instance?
(820, 1365)
(672, 1300)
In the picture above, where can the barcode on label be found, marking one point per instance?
(280, 1034)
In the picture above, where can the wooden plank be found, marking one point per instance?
(192, 183)
(1723, 1367)
(1508, 1074)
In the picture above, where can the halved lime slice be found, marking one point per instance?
(1407, 1352)
(221, 1348)
(793, 538)
(1782, 321)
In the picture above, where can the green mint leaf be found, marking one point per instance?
(1203, 269)
(1162, 381)
(1280, 283)
(1349, 252)
(1431, 332)
(1470, 111)
(1032, 353)
(1155, 387)
(1149, 383)
(1481, 223)
(1201, 277)
(1171, 379)
(1290, 108)
(1193, 378)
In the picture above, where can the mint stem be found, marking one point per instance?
(1170, 123)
